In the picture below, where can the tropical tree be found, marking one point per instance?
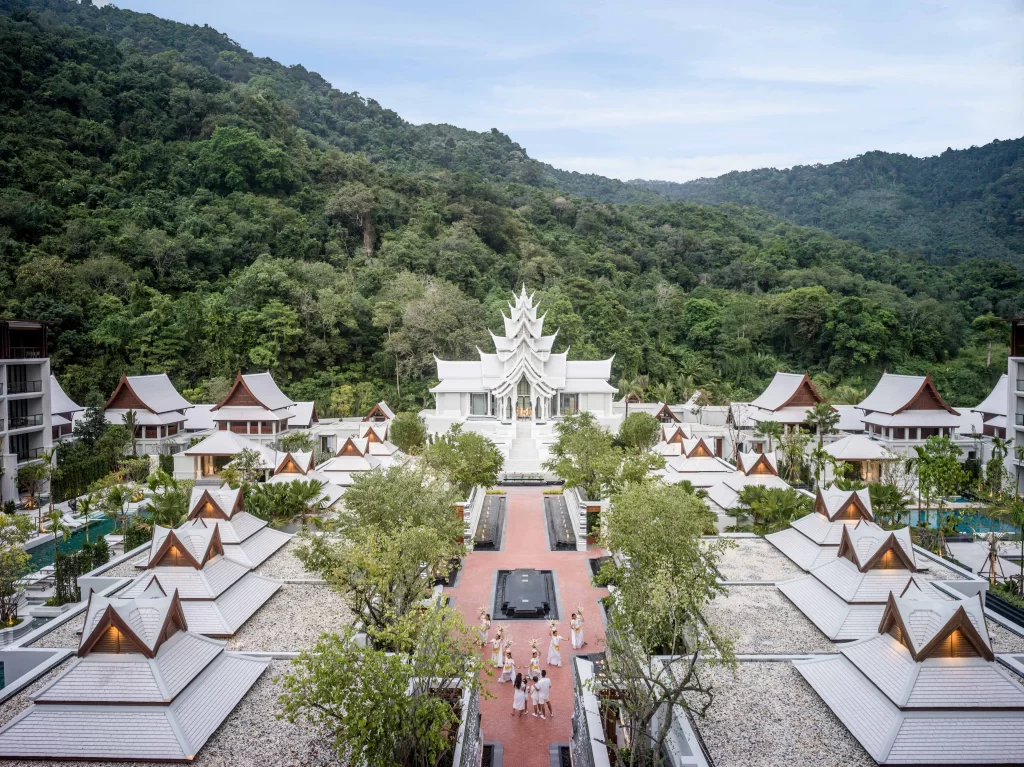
(114, 501)
(661, 392)
(465, 459)
(309, 498)
(823, 419)
(820, 460)
(888, 502)
(794, 444)
(168, 503)
(408, 432)
(771, 430)
(940, 474)
(393, 708)
(15, 530)
(247, 468)
(639, 431)
(995, 470)
(1013, 512)
(58, 527)
(130, 421)
(398, 533)
(772, 508)
(659, 645)
(85, 508)
(30, 478)
(633, 387)
(297, 442)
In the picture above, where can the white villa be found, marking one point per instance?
(523, 379)
(903, 411)
(787, 400)
(160, 411)
(62, 411)
(256, 407)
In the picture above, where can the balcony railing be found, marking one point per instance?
(22, 421)
(24, 387)
(29, 453)
(26, 353)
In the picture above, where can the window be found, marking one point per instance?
(478, 404)
(568, 403)
(899, 433)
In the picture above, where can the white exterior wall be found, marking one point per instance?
(40, 435)
(1015, 418)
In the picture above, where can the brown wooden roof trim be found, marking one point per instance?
(110, 618)
(196, 513)
(124, 388)
(701, 441)
(822, 508)
(959, 620)
(928, 385)
(349, 443)
(762, 460)
(666, 410)
(809, 384)
(288, 457)
(676, 438)
(238, 384)
(889, 544)
(375, 410)
(215, 545)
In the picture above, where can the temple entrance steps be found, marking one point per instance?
(524, 456)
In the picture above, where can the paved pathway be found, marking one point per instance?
(526, 740)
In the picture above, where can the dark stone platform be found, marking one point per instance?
(525, 595)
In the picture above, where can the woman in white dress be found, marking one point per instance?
(534, 663)
(496, 660)
(554, 649)
(519, 696)
(485, 627)
(576, 624)
(508, 673)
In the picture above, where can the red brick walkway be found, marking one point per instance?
(526, 740)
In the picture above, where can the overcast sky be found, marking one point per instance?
(668, 90)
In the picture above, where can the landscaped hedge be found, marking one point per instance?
(74, 480)
(136, 535)
(70, 566)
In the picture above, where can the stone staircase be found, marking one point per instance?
(523, 455)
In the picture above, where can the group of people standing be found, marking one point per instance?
(535, 686)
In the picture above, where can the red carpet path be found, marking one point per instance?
(525, 740)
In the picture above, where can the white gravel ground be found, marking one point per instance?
(285, 565)
(937, 572)
(251, 736)
(761, 620)
(293, 619)
(1003, 640)
(755, 559)
(768, 716)
(127, 569)
(63, 636)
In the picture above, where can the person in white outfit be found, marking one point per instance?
(576, 626)
(538, 709)
(554, 649)
(485, 626)
(544, 693)
(496, 657)
(519, 696)
(508, 673)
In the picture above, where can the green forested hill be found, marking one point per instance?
(174, 203)
(966, 203)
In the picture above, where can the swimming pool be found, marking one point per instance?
(42, 555)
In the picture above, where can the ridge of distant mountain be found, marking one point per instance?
(963, 203)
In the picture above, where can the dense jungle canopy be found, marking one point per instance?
(172, 202)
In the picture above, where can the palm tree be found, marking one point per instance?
(995, 475)
(130, 421)
(308, 498)
(820, 458)
(823, 418)
(662, 392)
(85, 504)
(630, 387)
(1015, 515)
(116, 503)
(58, 528)
(169, 508)
(888, 503)
(772, 430)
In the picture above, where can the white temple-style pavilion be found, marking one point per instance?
(523, 379)
(254, 406)
(143, 688)
(903, 411)
(158, 407)
(924, 686)
(787, 399)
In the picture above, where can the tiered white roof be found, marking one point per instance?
(523, 352)
(787, 399)
(923, 687)
(254, 397)
(857, 447)
(144, 688)
(360, 454)
(209, 561)
(153, 398)
(300, 467)
(995, 403)
(907, 401)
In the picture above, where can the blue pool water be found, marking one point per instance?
(969, 522)
(42, 555)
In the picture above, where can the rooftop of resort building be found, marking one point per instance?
(61, 403)
(899, 400)
(144, 687)
(923, 687)
(857, 447)
(153, 398)
(787, 399)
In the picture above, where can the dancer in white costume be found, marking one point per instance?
(576, 624)
(554, 649)
(496, 660)
(508, 673)
(485, 627)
